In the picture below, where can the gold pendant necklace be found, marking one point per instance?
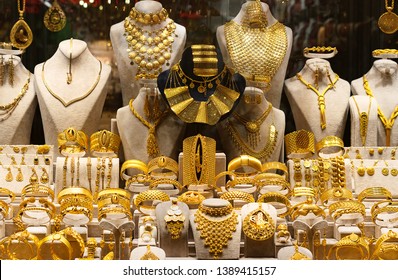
(388, 22)
(54, 18)
(321, 97)
(151, 142)
(21, 35)
(59, 98)
(258, 224)
(363, 121)
(253, 126)
(387, 123)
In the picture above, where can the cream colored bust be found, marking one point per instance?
(275, 92)
(78, 103)
(129, 84)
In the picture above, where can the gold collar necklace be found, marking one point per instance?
(148, 19)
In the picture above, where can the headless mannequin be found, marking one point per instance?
(304, 102)
(17, 127)
(130, 86)
(252, 111)
(383, 81)
(275, 92)
(84, 114)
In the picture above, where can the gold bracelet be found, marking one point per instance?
(385, 53)
(72, 141)
(155, 183)
(305, 208)
(350, 247)
(7, 194)
(320, 51)
(384, 250)
(220, 175)
(272, 197)
(275, 165)
(330, 144)
(4, 209)
(258, 224)
(22, 237)
(68, 231)
(335, 194)
(216, 211)
(385, 213)
(58, 237)
(269, 179)
(238, 181)
(162, 163)
(375, 192)
(303, 191)
(142, 199)
(354, 210)
(300, 144)
(245, 161)
(191, 198)
(115, 199)
(132, 164)
(76, 200)
(37, 190)
(104, 142)
(239, 196)
(37, 205)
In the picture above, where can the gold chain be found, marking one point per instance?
(321, 96)
(21, 11)
(389, 7)
(387, 123)
(256, 53)
(363, 121)
(151, 143)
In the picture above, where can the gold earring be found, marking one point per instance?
(36, 161)
(44, 177)
(9, 177)
(11, 71)
(19, 177)
(111, 244)
(33, 178)
(2, 70)
(47, 161)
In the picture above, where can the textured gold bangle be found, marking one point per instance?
(132, 164)
(238, 181)
(7, 193)
(72, 141)
(303, 191)
(335, 194)
(104, 141)
(68, 231)
(355, 210)
(385, 213)
(272, 197)
(383, 249)
(275, 165)
(385, 53)
(4, 209)
(160, 164)
(115, 199)
(37, 190)
(269, 179)
(76, 200)
(238, 195)
(300, 144)
(375, 192)
(124, 213)
(59, 237)
(155, 183)
(216, 211)
(245, 161)
(22, 237)
(345, 248)
(149, 196)
(329, 144)
(191, 198)
(305, 208)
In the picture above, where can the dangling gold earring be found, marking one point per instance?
(19, 176)
(33, 178)
(2, 70)
(9, 177)
(44, 177)
(11, 71)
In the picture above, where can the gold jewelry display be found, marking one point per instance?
(352, 208)
(321, 97)
(76, 200)
(388, 22)
(386, 247)
(114, 201)
(300, 144)
(305, 208)
(151, 142)
(387, 123)
(21, 35)
(7, 109)
(144, 201)
(54, 18)
(275, 198)
(253, 127)
(205, 60)
(216, 227)
(149, 255)
(72, 141)
(199, 160)
(86, 93)
(191, 198)
(233, 196)
(256, 52)
(174, 220)
(350, 247)
(320, 52)
(209, 110)
(149, 48)
(329, 143)
(25, 239)
(104, 141)
(385, 213)
(374, 192)
(258, 224)
(363, 121)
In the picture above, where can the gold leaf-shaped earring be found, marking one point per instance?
(44, 177)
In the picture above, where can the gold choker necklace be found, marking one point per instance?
(151, 18)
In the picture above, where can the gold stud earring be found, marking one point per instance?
(44, 177)
(2, 70)
(47, 161)
(11, 71)
(36, 161)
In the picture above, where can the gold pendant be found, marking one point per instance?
(21, 35)
(361, 171)
(19, 176)
(370, 171)
(258, 225)
(388, 22)
(9, 176)
(385, 171)
(54, 18)
(394, 172)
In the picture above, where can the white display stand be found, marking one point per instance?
(310, 229)
(117, 227)
(146, 239)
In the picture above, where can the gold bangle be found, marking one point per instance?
(33, 204)
(300, 144)
(160, 164)
(72, 141)
(68, 231)
(132, 164)
(155, 183)
(191, 198)
(76, 200)
(305, 208)
(220, 175)
(27, 239)
(383, 249)
(330, 144)
(375, 192)
(237, 195)
(272, 197)
(354, 209)
(243, 161)
(343, 249)
(385, 53)
(238, 181)
(257, 228)
(104, 142)
(115, 199)
(140, 179)
(269, 179)
(149, 196)
(385, 213)
(37, 190)
(59, 237)
(320, 52)
(275, 165)
(335, 194)
(7, 193)
(303, 191)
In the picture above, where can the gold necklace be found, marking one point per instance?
(388, 22)
(321, 96)
(66, 104)
(216, 232)
(7, 109)
(152, 146)
(387, 123)
(148, 49)
(256, 53)
(151, 18)
(363, 121)
(149, 255)
(253, 126)
(258, 224)
(21, 35)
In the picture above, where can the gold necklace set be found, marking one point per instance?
(7, 109)
(387, 123)
(216, 225)
(149, 49)
(256, 52)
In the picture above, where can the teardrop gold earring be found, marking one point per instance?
(44, 177)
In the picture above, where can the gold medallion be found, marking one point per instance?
(370, 171)
(258, 225)
(361, 171)
(385, 171)
(54, 18)
(394, 172)
(21, 35)
(388, 22)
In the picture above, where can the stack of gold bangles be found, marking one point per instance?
(76, 201)
(141, 176)
(72, 141)
(163, 167)
(330, 146)
(104, 142)
(114, 204)
(144, 202)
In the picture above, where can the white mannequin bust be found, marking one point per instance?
(129, 84)
(304, 102)
(17, 125)
(87, 73)
(253, 111)
(275, 92)
(382, 81)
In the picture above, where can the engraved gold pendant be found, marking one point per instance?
(21, 35)
(388, 22)
(54, 18)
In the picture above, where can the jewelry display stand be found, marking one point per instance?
(254, 248)
(310, 229)
(129, 84)
(16, 121)
(117, 227)
(147, 231)
(173, 247)
(274, 93)
(81, 101)
(305, 103)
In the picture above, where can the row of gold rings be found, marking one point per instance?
(238, 196)
(55, 238)
(142, 199)
(275, 197)
(245, 161)
(76, 200)
(335, 194)
(330, 144)
(305, 208)
(155, 183)
(374, 192)
(300, 144)
(72, 141)
(270, 179)
(191, 198)
(104, 141)
(9, 195)
(29, 240)
(346, 248)
(160, 164)
(349, 209)
(37, 190)
(385, 250)
(385, 213)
